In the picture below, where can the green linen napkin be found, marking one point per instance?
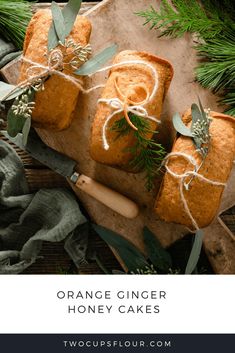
(8, 52)
(26, 220)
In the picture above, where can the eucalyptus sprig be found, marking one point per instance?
(63, 21)
(62, 24)
(19, 115)
(147, 153)
(157, 259)
(199, 130)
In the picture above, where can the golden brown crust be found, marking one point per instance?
(117, 156)
(55, 105)
(203, 199)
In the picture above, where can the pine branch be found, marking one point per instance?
(147, 154)
(14, 18)
(213, 21)
(230, 101)
(186, 16)
(218, 73)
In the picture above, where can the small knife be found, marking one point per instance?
(66, 167)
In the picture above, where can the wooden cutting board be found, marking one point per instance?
(114, 21)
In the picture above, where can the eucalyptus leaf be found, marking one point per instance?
(15, 123)
(58, 20)
(26, 130)
(6, 89)
(53, 39)
(195, 252)
(95, 63)
(180, 126)
(70, 13)
(130, 255)
(196, 114)
(202, 109)
(158, 256)
(18, 92)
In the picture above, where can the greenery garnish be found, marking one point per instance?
(78, 52)
(65, 18)
(157, 259)
(199, 130)
(148, 270)
(131, 256)
(14, 18)
(195, 252)
(19, 115)
(97, 61)
(59, 21)
(213, 22)
(147, 154)
(63, 21)
(158, 256)
(7, 93)
(218, 72)
(180, 127)
(205, 18)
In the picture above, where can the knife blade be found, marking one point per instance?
(44, 154)
(66, 167)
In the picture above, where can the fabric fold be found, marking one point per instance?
(26, 220)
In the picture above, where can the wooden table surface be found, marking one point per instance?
(55, 259)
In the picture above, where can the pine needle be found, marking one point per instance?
(230, 101)
(14, 18)
(218, 72)
(186, 16)
(147, 154)
(213, 21)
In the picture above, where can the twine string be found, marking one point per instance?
(124, 103)
(182, 180)
(39, 71)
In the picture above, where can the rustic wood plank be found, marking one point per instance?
(220, 247)
(11, 70)
(44, 178)
(55, 260)
(228, 217)
(27, 160)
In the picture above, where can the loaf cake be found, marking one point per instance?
(56, 103)
(202, 198)
(135, 82)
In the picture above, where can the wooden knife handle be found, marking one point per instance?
(108, 197)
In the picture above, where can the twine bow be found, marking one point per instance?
(124, 103)
(37, 71)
